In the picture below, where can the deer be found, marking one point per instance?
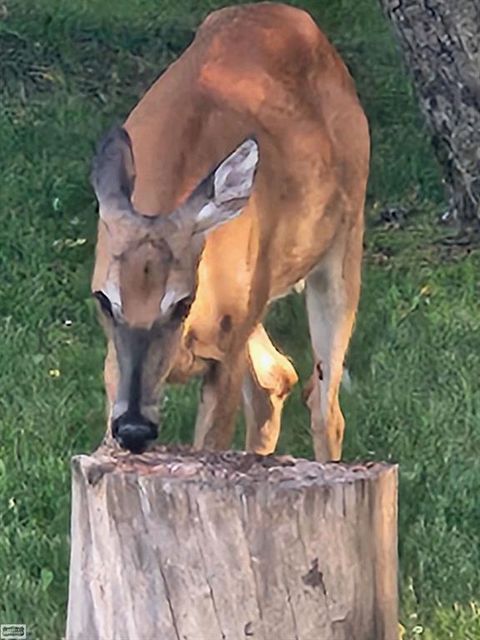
(240, 174)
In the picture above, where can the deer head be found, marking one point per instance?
(148, 279)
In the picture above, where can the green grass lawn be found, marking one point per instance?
(68, 68)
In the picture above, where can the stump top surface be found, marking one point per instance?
(183, 463)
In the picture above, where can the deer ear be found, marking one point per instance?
(227, 188)
(113, 173)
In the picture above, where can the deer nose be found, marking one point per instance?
(134, 432)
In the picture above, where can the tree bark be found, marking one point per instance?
(440, 40)
(231, 546)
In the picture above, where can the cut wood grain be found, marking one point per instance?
(202, 546)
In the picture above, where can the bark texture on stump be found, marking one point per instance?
(440, 40)
(230, 547)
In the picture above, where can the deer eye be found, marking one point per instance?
(104, 302)
(182, 309)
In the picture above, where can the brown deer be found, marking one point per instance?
(240, 173)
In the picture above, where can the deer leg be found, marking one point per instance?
(266, 385)
(219, 400)
(110, 376)
(332, 293)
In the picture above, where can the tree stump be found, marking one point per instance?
(176, 545)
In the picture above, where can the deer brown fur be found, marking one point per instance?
(241, 172)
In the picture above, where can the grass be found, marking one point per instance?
(70, 67)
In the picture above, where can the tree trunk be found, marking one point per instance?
(195, 546)
(440, 40)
